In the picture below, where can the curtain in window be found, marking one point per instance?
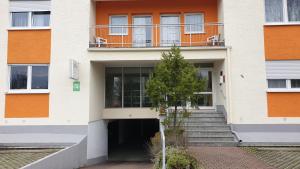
(276, 83)
(118, 23)
(19, 19)
(194, 23)
(293, 10)
(40, 18)
(274, 10)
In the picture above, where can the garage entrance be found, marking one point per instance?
(128, 139)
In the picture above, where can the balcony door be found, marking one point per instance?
(142, 31)
(170, 30)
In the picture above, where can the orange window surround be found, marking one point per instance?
(283, 104)
(27, 106)
(282, 42)
(29, 46)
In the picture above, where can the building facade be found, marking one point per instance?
(70, 69)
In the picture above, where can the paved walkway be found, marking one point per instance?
(227, 158)
(209, 157)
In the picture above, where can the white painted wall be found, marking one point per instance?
(97, 91)
(244, 33)
(70, 36)
(4, 22)
(97, 140)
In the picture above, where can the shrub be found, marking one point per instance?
(176, 158)
(173, 138)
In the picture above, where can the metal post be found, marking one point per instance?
(190, 35)
(163, 141)
(122, 36)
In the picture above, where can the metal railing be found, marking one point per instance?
(145, 36)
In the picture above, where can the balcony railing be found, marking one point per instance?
(145, 36)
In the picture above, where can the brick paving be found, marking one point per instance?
(227, 158)
(279, 157)
(17, 158)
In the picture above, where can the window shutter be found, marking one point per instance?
(283, 69)
(25, 6)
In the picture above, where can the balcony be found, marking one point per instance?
(157, 35)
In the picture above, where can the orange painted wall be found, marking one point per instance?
(29, 46)
(282, 42)
(283, 104)
(156, 8)
(27, 105)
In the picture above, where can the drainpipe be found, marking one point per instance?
(163, 140)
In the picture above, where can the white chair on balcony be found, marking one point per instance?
(101, 42)
(213, 40)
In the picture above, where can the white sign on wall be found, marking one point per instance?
(74, 69)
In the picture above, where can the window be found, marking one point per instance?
(40, 18)
(30, 19)
(293, 7)
(194, 23)
(18, 77)
(118, 25)
(28, 78)
(277, 83)
(125, 87)
(295, 83)
(282, 11)
(284, 84)
(19, 19)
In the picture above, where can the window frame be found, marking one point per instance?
(288, 87)
(29, 26)
(194, 32)
(110, 26)
(285, 16)
(29, 80)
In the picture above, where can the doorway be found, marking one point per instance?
(128, 140)
(170, 30)
(205, 99)
(142, 31)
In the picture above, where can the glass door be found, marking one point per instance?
(142, 31)
(205, 98)
(170, 30)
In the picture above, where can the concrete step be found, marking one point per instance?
(205, 119)
(211, 138)
(205, 123)
(206, 115)
(214, 133)
(213, 144)
(205, 127)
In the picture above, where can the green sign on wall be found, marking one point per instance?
(76, 86)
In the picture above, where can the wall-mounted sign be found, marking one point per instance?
(74, 69)
(76, 86)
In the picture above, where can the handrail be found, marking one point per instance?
(137, 25)
(163, 142)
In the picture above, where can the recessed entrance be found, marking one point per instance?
(128, 139)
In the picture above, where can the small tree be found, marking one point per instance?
(173, 82)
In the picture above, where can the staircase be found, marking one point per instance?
(208, 128)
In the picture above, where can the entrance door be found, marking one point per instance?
(170, 31)
(142, 31)
(205, 98)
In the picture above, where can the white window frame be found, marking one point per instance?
(29, 80)
(285, 16)
(110, 26)
(195, 32)
(29, 26)
(288, 87)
